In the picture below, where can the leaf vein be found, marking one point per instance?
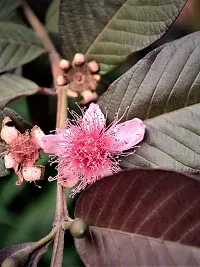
(122, 198)
(179, 218)
(174, 139)
(140, 201)
(157, 83)
(161, 205)
(193, 168)
(177, 80)
(188, 232)
(105, 201)
(180, 126)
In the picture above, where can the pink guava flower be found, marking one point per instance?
(87, 150)
(22, 151)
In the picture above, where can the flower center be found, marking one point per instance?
(91, 150)
(24, 148)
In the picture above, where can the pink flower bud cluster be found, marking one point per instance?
(22, 151)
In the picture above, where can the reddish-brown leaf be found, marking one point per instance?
(141, 217)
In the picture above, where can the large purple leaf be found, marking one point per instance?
(141, 218)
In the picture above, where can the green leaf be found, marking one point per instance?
(52, 16)
(13, 86)
(18, 45)
(163, 90)
(3, 170)
(7, 6)
(109, 31)
(18, 121)
(141, 218)
(16, 16)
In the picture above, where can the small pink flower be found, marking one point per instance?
(22, 151)
(87, 150)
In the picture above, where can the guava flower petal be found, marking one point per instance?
(128, 134)
(51, 143)
(70, 180)
(9, 161)
(8, 134)
(94, 117)
(33, 173)
(37, 135)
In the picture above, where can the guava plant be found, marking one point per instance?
(131, 155)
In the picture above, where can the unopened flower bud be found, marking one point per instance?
(79, 228)
(9, 161)
(33, 173)
(78, 59)
(93, 66)
(37, 134)
(8, 133)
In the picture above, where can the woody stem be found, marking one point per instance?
(61, 213)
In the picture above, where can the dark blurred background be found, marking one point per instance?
(26, 212)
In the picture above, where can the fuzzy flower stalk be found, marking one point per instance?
(87, 150)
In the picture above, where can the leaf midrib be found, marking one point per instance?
(19, 42)
(171, 112)
(106, 25)
(140, 236)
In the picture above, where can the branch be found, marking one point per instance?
(46, 91)
(61, 213)
(44, 240)
(39, 28)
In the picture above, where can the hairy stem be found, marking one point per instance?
(61, 213)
